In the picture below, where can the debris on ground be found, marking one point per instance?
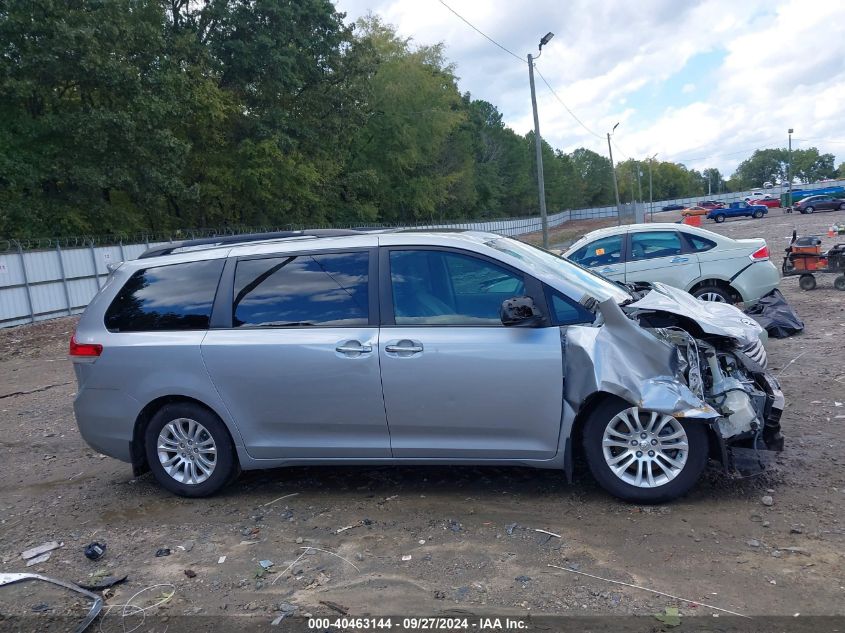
(406, 557)
(187, 546)
(49, 546)
(190, 573)
(547, 532)
(510, 528)
(269, 503)
(775, 315)
(37, 560)
(334, 606)
(265, 564)
(221, 560)
(655, 591)
(670, 617)
(104, 582)
(164, 551)
(767, 500)
(95, 551)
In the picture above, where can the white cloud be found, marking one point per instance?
(604, 53)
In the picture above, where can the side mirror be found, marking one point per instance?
(520, 312)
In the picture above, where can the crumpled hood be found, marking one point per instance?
(719, 319)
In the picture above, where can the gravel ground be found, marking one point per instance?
(433, 540)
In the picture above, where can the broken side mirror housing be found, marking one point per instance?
(520, 312)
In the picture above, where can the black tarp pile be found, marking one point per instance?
(774, 314)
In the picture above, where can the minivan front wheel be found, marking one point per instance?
(643, 456)
(189, 450)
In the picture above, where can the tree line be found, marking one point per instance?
(118, 116)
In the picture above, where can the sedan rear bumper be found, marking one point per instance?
(756, 280)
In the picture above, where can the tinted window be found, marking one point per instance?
(699, 244)
(607, 250)
(441, 288)
(650, 244)
(307, 290)
(176, 297)
(568, 312)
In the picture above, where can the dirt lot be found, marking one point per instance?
(431, 540)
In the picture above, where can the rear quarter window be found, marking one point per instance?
(699, 244)
(166, 298)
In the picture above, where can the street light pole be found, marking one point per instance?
(538, 141)
(615, 183)
(789, 169)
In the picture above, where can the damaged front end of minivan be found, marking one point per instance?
(670, 353)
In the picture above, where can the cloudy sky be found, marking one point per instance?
(699, 82)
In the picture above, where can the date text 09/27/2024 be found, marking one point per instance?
(418, 624)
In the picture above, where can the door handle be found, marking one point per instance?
(608, 269)
(353, 348)
(679, 260)
(404, 347)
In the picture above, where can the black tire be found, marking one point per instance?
(593, 436)
(842, 207)
(757, 214)
(839, 283)
(808, 210)
(807, 282)
(226, 466)
(719, 217)
(716, 290)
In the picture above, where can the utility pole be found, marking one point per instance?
(538, 141)
(650, 189)
(615, 183)
(639, 184)
(789, 169)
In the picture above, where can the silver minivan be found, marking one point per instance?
(203, 358)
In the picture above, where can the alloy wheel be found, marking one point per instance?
(712, 296)
(187, 451)
(645, 449)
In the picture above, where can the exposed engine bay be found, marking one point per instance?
(694, 360)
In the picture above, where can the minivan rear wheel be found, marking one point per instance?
(189, 450)
(643, 456)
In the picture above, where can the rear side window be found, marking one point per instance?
(699, 244)
(652, 244)
(175, 297)
(306, 290)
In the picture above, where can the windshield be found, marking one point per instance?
(547, 265)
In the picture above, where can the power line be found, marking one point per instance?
(571, 113)
(482, 33)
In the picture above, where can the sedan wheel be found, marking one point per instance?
(643, 456)
(808, 209)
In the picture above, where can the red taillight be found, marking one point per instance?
(760, 254)
(84, 349)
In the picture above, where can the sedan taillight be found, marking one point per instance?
(760, 254)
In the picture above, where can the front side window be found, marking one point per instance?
(164, 298)
(652, 244)
(329, 290)
(568, 312)
(443, 288)
(603, 252)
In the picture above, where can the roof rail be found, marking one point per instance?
(224, 240)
